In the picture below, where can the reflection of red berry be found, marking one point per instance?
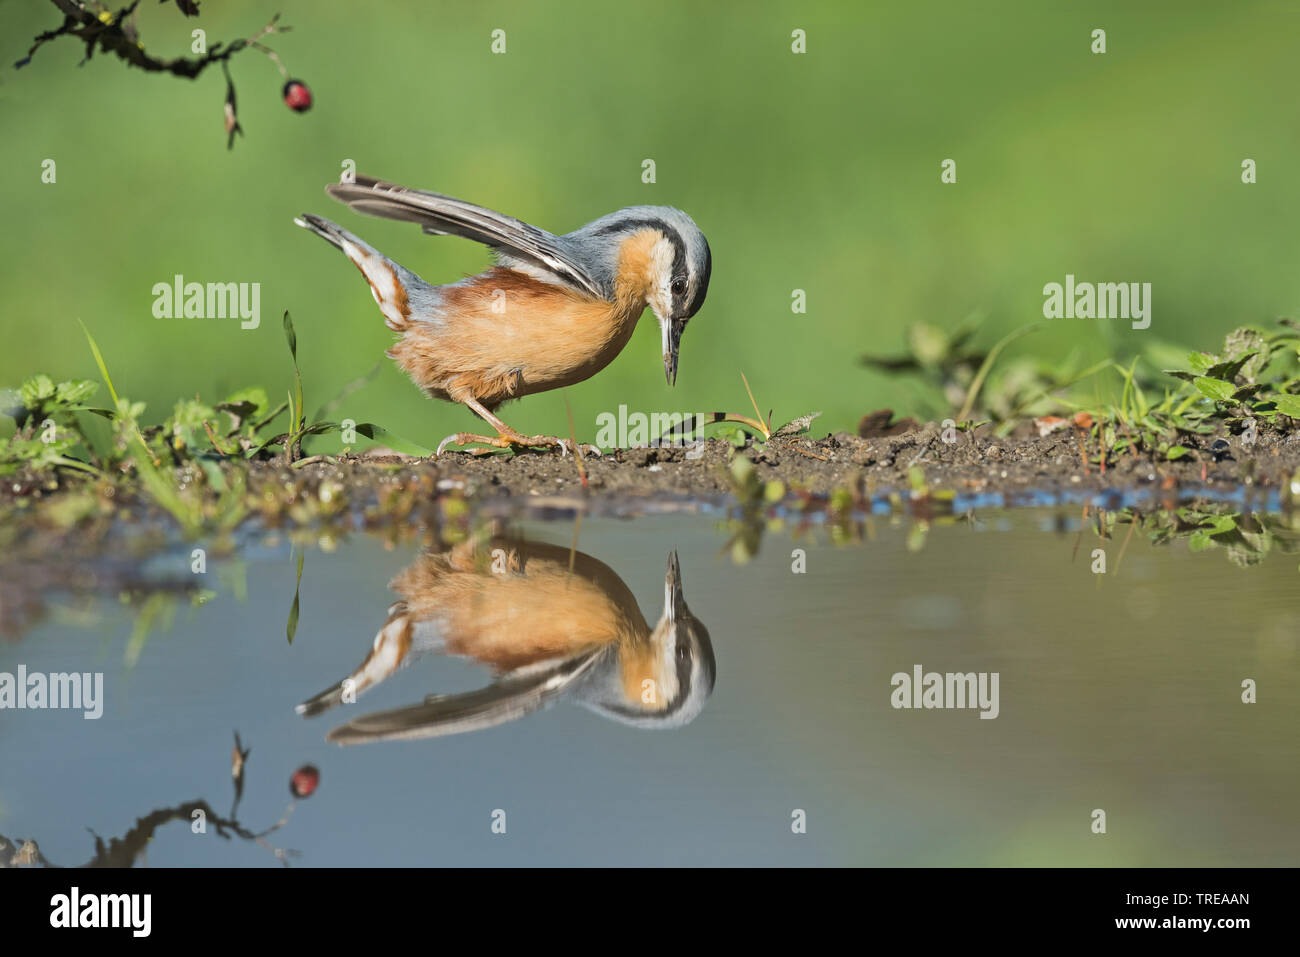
(297, 97)
(304, 781)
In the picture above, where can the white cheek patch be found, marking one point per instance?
(390, 298)
(661, 277)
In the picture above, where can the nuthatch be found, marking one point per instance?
(550, 623)
(555, 310)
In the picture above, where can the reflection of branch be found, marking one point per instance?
(238, 757)
(125, 850)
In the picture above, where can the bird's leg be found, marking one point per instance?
(506, 436)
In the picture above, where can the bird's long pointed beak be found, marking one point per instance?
(674, 599)
(672, 338)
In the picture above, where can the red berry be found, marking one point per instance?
(303, 782)
(297, 97)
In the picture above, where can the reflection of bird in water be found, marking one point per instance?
(546, 631)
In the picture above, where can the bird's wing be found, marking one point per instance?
(509, 697)
(442, 216)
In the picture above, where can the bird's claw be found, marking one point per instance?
(464, 438)
(518, 441)
(567, 446)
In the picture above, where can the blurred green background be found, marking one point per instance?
(818, 171)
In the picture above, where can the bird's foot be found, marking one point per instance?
(512, 440)
(465, 438)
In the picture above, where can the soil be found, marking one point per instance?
(976, 462)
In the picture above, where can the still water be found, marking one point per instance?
(697, 709)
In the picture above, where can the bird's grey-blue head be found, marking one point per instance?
(680, 267)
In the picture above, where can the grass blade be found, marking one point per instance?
(766, 429)
(978, 382)
(99, 361)
(291, 626)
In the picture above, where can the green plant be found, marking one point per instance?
(49, 431)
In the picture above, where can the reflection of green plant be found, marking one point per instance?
(291, 624)
(766, 506)
(1246, 537)
(753, 495)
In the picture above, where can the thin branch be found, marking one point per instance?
(116, 34)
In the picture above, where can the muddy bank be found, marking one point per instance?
(977, 461)
(382, 487)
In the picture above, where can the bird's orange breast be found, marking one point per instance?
(504, 334)
(510, 620)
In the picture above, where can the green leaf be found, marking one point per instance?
(1288, 405)
(76, 391)
(1219, 524)
(1229, 370)
(1176, 452)
(36, 391)
(928, 343)
(1201, 361)
(395, 442)
(290, 336)
(298, 415)
(244, 405)
(1216, 389)
(99, 361)
(185, 428)
(318, 428)
(291, 626)
(1247, 346)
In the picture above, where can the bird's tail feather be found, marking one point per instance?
(393, 285)
(394, 647)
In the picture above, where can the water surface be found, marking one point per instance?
(1119, 691)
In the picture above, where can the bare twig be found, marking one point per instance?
(117, 34)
